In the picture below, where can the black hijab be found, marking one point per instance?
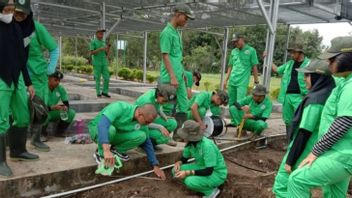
(322, 85)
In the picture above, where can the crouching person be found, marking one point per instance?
(58, 112)
(209, 170)
(120, 127)
(254, 110)
(162, 126)
(205, 101)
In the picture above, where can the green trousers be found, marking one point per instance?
(14, 100)
(289, 107)
(170, 124)
(236, 93)
(123, 141)
(101, 70)
(256, 126)
(201, 111)
(325, 172)
(40, 85)
(55, 116)
(202, 184)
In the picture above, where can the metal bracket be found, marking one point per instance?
(268, 21)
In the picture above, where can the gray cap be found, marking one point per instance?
(339, 45)
(23, 6)
(190, 131)
(316, 66)
(167, 91)
(236, 36)
(259, 90)
(223, 95)
(297, 47)
(184, 9)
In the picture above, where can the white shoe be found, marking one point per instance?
(214, 194)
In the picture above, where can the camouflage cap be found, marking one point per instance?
(339, 45)
(23, 6)
(184, 9)
(190, 131)
(259, 90)
(316, 66)
(236, 36)
(297, 47)
(223, 95)
(167, 91)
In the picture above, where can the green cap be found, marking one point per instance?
(223, 95)
(57, 74)
(259, 90)
(316, 66)
(190, 131)
(339, 45)
(23, 6)
(236, 36)
(184, 9)
(167, 91)
(296, 48)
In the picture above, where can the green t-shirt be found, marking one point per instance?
(203, 100)
(189, 81)
(37, 63)
(207, 154)
(285, 71)
(99, 58)
(262, 109)
(59, 93)
(242, 62)
(120, 115)
(171, 44)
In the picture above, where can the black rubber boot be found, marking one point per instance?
(17, 143)
(61, 128)
(4, 168)
(35, 141)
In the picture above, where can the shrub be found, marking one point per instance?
(151, 78)
(89, 69)
(275, 93)
(124, 73)
(138, 75)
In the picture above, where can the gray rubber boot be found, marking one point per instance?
(4, 168)
(35, 141)
(17, 143)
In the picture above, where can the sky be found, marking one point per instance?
(328, 30)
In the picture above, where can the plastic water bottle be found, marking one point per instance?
(63, 115)
(80, 126)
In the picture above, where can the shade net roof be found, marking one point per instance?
(83, 17)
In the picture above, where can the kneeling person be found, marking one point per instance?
(59, 112)
(162, 126)
(209, 170)
(205, 101)
(255, 110)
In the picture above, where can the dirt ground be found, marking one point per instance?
(241, 182)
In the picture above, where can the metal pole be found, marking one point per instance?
(103, 12)
(145, 57)
(262, 9)
(117, 56)
(60, 49)
(287, 42)
(224, 56)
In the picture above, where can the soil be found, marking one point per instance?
(241, 182)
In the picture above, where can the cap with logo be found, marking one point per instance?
(190, 131)
(23, 6)
(339, 45)
(259, 90)
(167, 91)
(316, 66)
(57, 74)
(236, 37)
(184, 9)
(223, 95)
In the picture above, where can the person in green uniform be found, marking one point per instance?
(305, 126)
(14, 78)
(190, 79)
(99, 51)
(209, 170)
(292, 89)
(203, 102)
(255, 109)
(59, 112)
(120, 127)
(172, 71)
(162, 126)
(39, 68)
(242, 61)
(329, 164)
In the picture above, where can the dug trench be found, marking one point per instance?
(251, 174)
